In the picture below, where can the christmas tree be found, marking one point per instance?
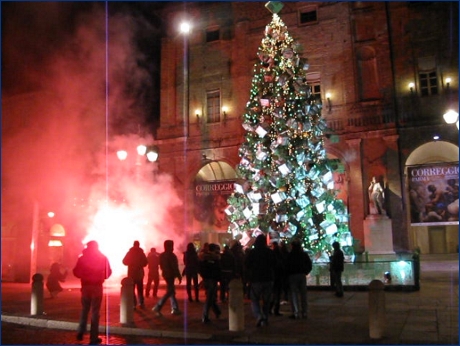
(285, 186)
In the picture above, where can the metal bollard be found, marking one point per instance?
(235, 306)
(127, 301)
(376, 309)
(36, 300)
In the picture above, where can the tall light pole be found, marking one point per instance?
(185, 30)
(151, 154)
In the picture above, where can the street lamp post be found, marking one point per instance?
(185, 30)
(142, 151)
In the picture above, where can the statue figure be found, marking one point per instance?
(376, 196)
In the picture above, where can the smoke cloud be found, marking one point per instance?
(74, 91)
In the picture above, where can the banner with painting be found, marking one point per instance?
(211, 202)
(433, 193)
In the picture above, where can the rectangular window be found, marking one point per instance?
(316, 91)
(314, 82)
(428, 83)
(213, 106)
(308, 16)
(212, 35)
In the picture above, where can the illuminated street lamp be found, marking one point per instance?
(185, 27)
(451, 117)
(142, 150)
(152, 156)
(122, 155)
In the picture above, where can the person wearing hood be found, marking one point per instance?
(260, 264)
(136, 260)
(92, 268)
(170, 270)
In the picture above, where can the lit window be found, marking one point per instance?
(213, 106)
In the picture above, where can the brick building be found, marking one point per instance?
(363, 55)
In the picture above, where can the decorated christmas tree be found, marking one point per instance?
(285, 187)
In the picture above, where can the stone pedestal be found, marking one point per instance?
(378, 235)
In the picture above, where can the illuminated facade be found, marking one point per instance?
(362, 58)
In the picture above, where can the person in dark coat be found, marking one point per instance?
(54, 278)
(228, 265)
(170, 270)
(285, 285)
(336, 267)
(260, 262)
(153, 259)
(210, 271)
(298, 266)
(279, 272)
(92, 268)
(191, 264)
(136, 260)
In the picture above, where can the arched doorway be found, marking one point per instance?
(213, 183)
(431, 172)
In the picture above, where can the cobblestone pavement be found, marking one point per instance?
(427, 316)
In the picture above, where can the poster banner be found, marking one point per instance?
(211, 202)
(433, 193)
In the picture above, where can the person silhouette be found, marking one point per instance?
(154, 273)
(92, 268)
(54, 278)
(136, 260)
(170, 270)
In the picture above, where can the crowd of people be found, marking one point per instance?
(272, 274)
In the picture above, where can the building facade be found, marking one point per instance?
(386, 73)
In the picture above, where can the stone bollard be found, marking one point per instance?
(376, 309)
(127, 301)
(36, 300)
(235, 306)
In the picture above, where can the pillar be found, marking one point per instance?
(126, 301)
(376, 309)
(36, 300)
(235, 306)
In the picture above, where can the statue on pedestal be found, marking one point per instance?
(376, 197)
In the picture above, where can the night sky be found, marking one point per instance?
(36, 36)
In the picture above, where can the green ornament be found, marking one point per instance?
(274, 6)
